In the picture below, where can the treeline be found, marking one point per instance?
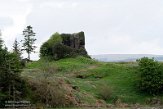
(12, 86)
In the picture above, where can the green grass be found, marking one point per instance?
(88, 75)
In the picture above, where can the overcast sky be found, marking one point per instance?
(110, 26)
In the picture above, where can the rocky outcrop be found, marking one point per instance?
(64, 45)
(76, 40)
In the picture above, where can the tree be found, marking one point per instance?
(151, 76)
(16, 48)
(1, 41)
(29, 41)
(2, 54)
(10, 80)
(12, 86)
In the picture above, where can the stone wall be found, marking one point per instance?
(76, 40)
(64, 45)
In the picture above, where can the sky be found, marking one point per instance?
(110, 26)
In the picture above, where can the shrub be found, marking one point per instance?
(44, 92)
(54, 49)
(49, 90)
(46, 48)
(104, 92)
(150, 79)
(51, 93)
(60, 51)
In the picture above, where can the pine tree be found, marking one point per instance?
(2, 52)
(29, 40)
(12, 87)
(16, 48)
(1, 41)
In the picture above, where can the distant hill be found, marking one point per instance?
(124, 57)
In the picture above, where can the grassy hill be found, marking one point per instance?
(87, 79)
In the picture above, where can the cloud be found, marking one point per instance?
(110, 26)
(15, 14)
(5, 21)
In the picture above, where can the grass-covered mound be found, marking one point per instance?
(84, 82)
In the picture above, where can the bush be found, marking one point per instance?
(61, 51)
(47, 47)
(46, 92)
(49, 90)
(150, 79)
(52, 93)
(104, 92)
(54, 49)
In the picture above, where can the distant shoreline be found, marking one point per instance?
(124, 57)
